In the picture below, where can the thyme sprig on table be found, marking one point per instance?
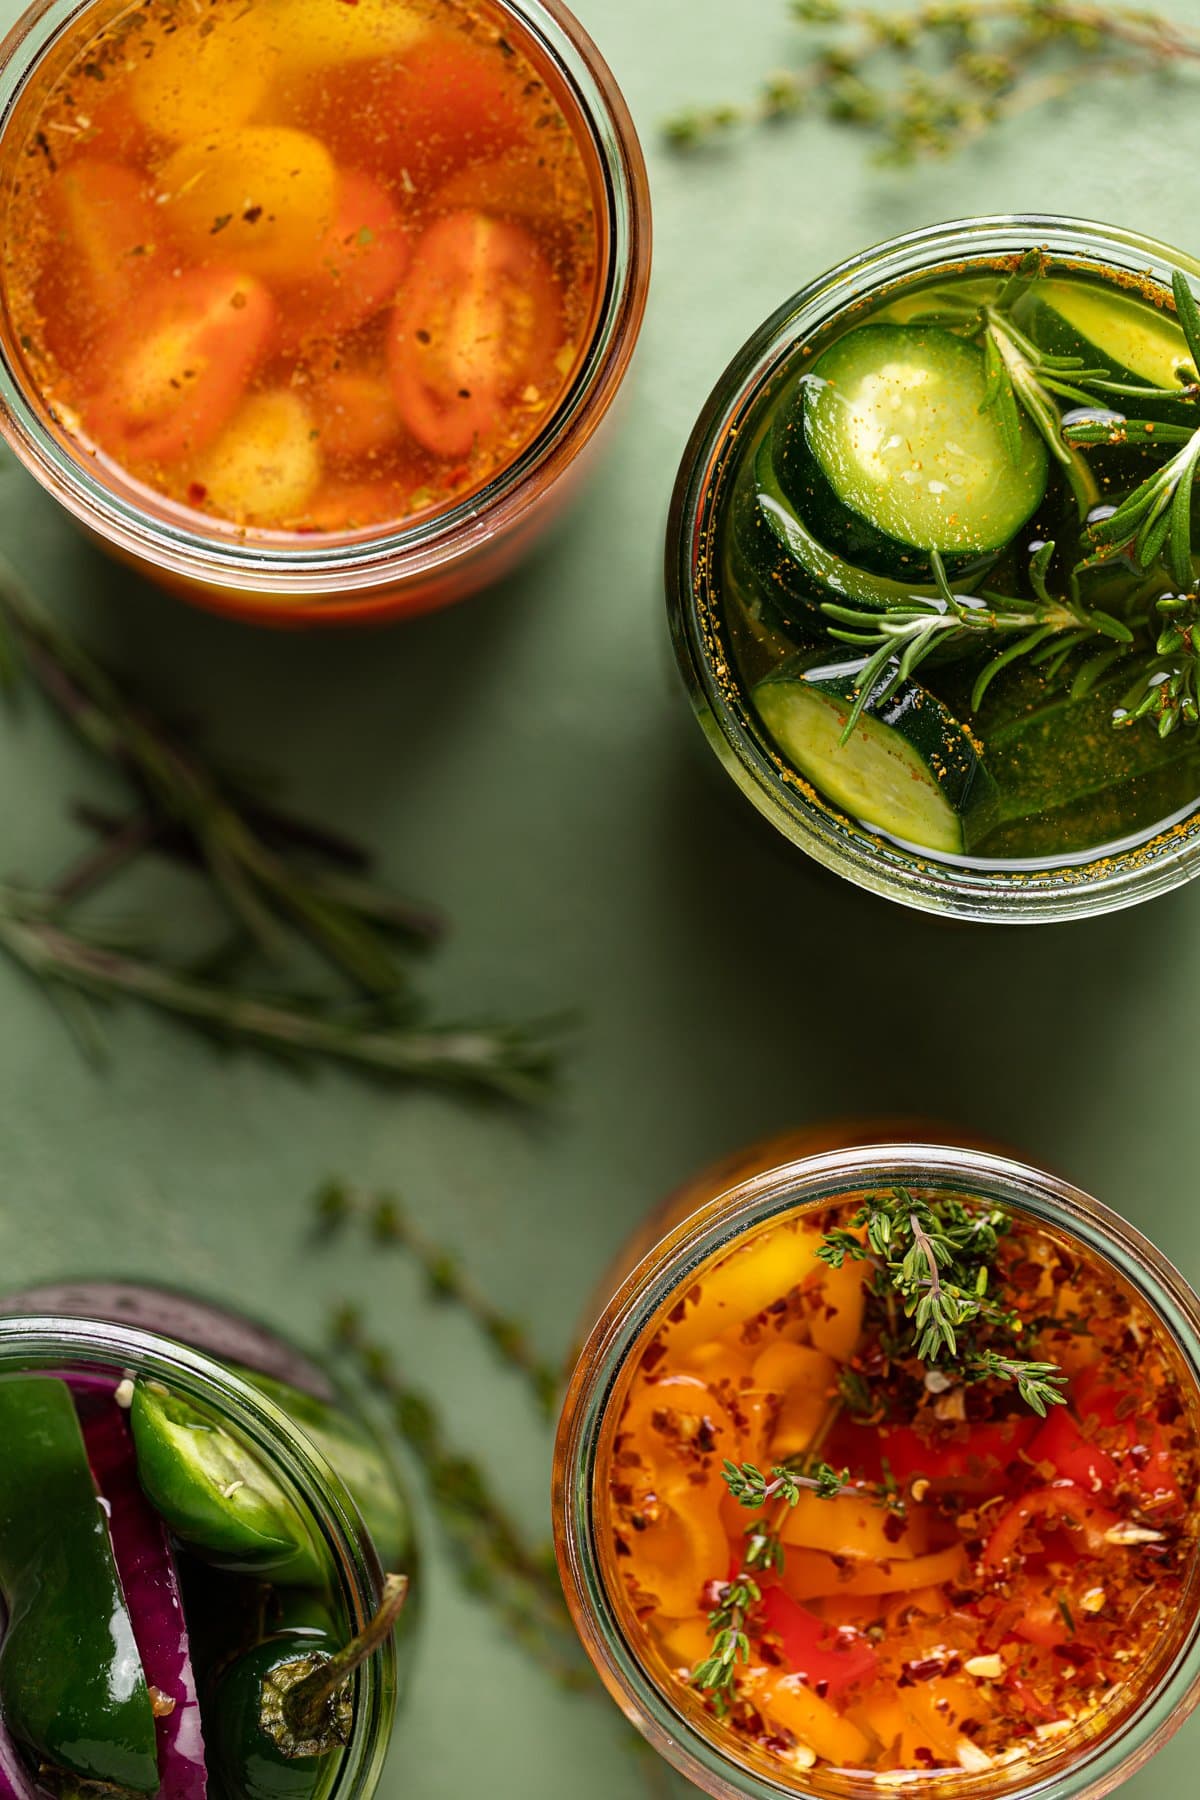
(926, 79)
(933, 1262)
(495, 1560)
(389, 1222)
(283, 885)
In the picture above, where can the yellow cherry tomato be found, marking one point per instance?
(262, 196)
(266, 464)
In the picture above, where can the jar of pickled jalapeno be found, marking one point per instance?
(878, 1473)
(204, 1558)
(933, 569)
(310, 310)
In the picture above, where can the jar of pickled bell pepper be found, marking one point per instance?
(310, 311)
(204, 1558)
(817, 1545)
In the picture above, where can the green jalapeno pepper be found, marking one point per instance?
(361, 1463)
(215, 1494)
(72, 1688)
(281, 1708)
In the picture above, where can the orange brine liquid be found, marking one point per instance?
(996, 1587)
(309, 266)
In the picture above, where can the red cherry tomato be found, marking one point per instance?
(173, 370)
(360, 263)
(825, 1657)
(417, 117)
(477, 322)
(109, 233)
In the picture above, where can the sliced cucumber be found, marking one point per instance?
(897, 455)
(1047, 751)
(909, 768)
(1130, 338)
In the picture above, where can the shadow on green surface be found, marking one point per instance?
(1003, 1030)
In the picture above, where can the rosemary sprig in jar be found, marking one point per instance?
(927, 79)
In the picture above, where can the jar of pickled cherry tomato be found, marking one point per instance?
(961, 1623)
(251, 1517)
(998, 771)
(312, 312)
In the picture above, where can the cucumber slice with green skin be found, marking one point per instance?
(826, 576)
(1130, 338)
(909, 768)
(901, 457)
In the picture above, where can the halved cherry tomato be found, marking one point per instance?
(418, 116)
(826, 1658)
(109, 234)
(477, 322)
(356, 415)
(1117, 1410)
(967, 1458)
(173, 371)
(523, 184)
(357, 267)
(1061, 1443)
(1066, 1507)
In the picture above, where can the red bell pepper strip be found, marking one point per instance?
(968, 1458)
(1122, 1412)
(1065, 1506)
(1073, 1457)
(828, 1659)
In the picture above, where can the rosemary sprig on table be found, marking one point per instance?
(274, 875)
(927, 79)
(388, 1222)
(78, 965)
(284, 883)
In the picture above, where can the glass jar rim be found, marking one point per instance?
(353, 569)
(813, 1181)
(1064, 888)
(52, 1341)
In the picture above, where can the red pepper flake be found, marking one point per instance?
(197, 492)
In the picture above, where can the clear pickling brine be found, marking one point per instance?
(297, 266)
(949, 563)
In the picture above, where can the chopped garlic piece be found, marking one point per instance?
(987, 1668)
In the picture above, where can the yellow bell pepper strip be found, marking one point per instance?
(809, 1574)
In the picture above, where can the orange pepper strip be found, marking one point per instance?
(787, 1702)
(809, 1575)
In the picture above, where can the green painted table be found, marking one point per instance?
(526, 760)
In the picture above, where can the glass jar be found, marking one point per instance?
(378, 572)
(272, 1397)
(677, 1724)
(1003, 892)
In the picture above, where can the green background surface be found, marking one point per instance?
(527, 761)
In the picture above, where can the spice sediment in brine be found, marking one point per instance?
(957, 1581)
(298, 265)
(953, 569)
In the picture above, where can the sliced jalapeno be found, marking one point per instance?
(215, 1494)
(72, 1689)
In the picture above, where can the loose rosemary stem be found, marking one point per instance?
(514, 1061)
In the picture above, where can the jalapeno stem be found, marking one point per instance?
(305, 1708)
